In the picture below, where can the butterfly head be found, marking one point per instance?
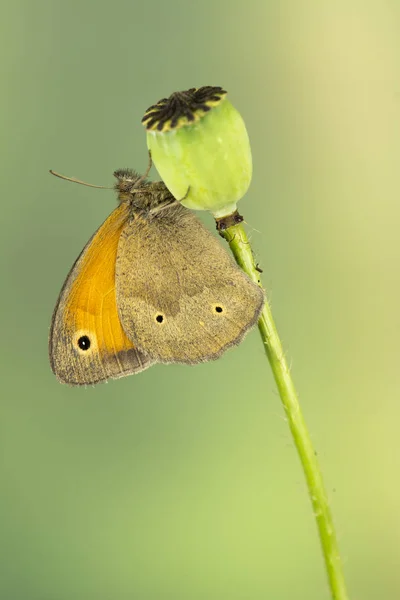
(128, 180)
(141, 194)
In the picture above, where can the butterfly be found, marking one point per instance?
(151, 285)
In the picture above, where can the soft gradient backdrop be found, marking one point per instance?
(183, 483)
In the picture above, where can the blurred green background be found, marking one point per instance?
(183, 482)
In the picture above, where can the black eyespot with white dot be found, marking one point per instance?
(84, 342)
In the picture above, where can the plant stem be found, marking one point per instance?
(241, 249)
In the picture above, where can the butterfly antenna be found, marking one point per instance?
(100, 187)
(143, 177)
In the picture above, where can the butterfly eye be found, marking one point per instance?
(84, 342)
(159, 318)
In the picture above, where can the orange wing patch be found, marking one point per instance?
(91, 304)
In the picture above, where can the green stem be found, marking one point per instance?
(241, 249)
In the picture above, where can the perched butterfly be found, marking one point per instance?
(152, 285)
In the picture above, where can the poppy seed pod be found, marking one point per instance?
(200, 147)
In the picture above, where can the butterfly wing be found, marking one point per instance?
(180, 296)
(87, 343)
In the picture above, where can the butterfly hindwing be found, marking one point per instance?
(180, 296)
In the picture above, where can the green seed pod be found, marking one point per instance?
(200, 147)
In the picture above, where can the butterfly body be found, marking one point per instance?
(152, 285)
